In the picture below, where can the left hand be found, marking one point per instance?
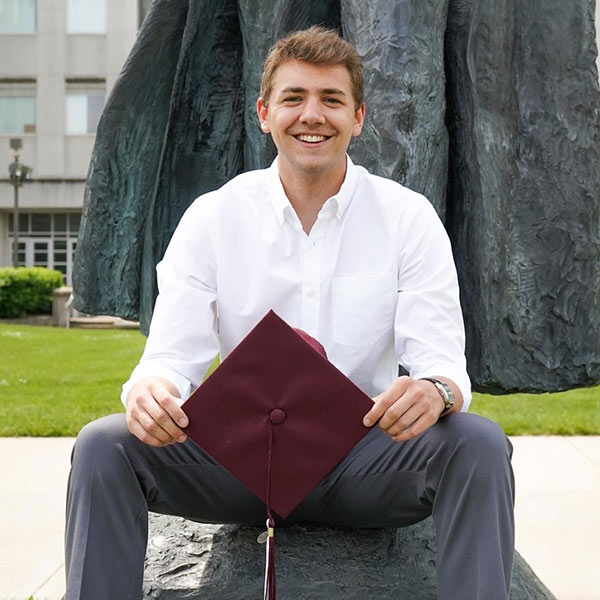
(406, 409)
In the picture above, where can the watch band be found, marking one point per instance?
(446, 393)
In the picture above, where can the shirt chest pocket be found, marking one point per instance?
(363, 309)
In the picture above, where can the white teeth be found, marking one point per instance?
(311, 138)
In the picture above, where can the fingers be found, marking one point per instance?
(137, 429)
(385, 401)
(415, 429)
(170, 406)
(406, 409)
(153, 414)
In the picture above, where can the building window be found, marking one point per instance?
(17, 16)
(83, 113)
(17, 115)
(17, 106)
(46, 240)
(86, 16)
(47, 224)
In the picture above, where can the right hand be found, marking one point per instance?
(153, 414)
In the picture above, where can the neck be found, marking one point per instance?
(308, 192)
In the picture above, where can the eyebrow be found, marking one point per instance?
(301, 90)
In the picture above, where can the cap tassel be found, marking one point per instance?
(270, 577)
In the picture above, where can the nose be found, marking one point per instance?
(312, 112)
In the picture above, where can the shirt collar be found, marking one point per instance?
(282, 206)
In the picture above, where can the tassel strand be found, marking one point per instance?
(270, 578)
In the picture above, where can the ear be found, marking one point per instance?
(359, 119)
(263, 113)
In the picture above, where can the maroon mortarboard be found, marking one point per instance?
(278, 416)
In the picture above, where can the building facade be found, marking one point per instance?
(59, 60)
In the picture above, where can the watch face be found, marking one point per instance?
(447, 394)
(444, 390)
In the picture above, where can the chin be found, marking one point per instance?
(315, 165)
(310, 166)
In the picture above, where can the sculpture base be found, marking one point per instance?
(224, 562)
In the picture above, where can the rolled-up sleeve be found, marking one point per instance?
(183, 340)
(429, 329)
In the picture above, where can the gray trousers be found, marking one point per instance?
(458, 471)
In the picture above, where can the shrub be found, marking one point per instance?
(27, 290)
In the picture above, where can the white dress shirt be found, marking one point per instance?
(374, 282)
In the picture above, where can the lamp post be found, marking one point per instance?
(18, 174)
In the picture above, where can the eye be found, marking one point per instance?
(330, 100)
(292, 99)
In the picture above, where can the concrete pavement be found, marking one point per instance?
(32, 506)
(557, 514)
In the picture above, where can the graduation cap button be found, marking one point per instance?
(277, 416)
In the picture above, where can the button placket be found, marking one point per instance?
(311, 278)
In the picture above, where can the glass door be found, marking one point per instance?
(22, 257)
(41, 253)
(60, 256)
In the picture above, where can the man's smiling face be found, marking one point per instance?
(311, 115)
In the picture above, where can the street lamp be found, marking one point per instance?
(18, 174)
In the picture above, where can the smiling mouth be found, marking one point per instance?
(311, 139)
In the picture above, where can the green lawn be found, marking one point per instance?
(54, 381)
(576, 412)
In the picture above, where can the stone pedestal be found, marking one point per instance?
(60, 306)
(225, 562)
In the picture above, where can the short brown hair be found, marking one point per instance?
(316, 45)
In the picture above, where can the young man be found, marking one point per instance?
(361, 264)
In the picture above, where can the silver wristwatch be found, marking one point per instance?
(445, 392)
